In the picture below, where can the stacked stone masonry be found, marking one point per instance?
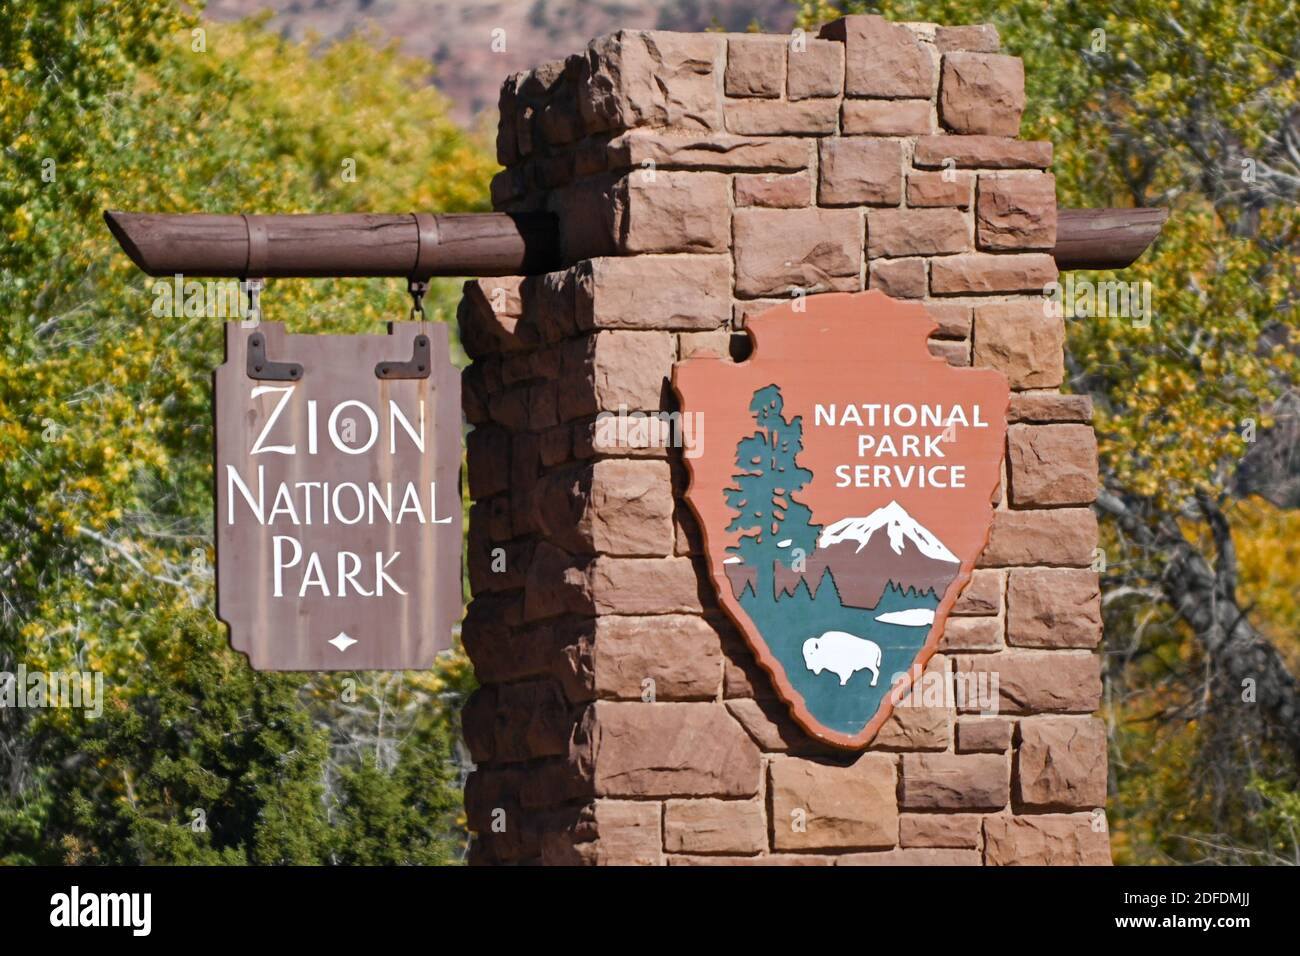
(699, 179)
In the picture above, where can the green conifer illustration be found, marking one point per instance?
(767, 478)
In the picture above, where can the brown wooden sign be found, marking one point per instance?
(845, 494)
(338, 520)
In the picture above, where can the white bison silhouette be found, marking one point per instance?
(843, 655)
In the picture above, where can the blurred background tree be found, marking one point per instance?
(1191, 105)
(105, 443)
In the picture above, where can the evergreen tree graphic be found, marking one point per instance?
(774, 526)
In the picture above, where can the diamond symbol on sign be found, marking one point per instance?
(342, 641)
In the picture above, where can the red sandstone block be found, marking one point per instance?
(1020, 341)
(494, 566)
(671, 211)
(976, 37)
(1034, 681)
(956, 354)
(1016, 211)
(507, 186)
(953, 831)
(510, 409)
(1052, 465)
(644, 586)
(1042, 408)
(614, 369)
(670, 749)
(814, 250)
(628, 833)
(531, 719)
(912, 728)
(887, 117)
(988, 152)
(911, 856)
(972, 634)
(900, 278)
(655, 658)
(586, 215)
(1053, 607)
(774, 190)
(716, 342)
(916, 232)
(474, 395)
(1062, 537)
(1066, 839)
(770, 859)
(882, 59)
(953, 318)
(620, 506)
(477, 721)
(982, 595)
(715, 826)
(653, 292)
(811, 117)
(488, 450)
(503, 653)
(507, 103)
(652, 149)
(978, 273)
(1061, 763)
(652, 78)
(557, 583)
(983, 735)
(817, 806)
(860, 170)
(559, 780)
(982, 93)
(755, 66)
(954, 782)
(489, 311)
(766, 719)
(949, 188)
(816, 69)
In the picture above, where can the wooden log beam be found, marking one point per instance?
(472, 244)
(1104, 238)
(329, 245)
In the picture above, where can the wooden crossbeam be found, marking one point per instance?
(472, 244)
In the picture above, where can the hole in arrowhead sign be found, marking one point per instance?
(845, 495)
(338, 499)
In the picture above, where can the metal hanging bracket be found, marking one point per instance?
(418, 366)
(264, 369)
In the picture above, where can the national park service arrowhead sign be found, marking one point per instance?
(338, 520)
(845, 496)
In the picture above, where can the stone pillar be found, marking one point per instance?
(699, 179)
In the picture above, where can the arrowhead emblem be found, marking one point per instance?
(342, 641)
(844, 500)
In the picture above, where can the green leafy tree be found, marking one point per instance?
(1193, 106)
(106, 437)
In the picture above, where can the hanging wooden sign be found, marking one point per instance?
(338, 521)
(845, 495)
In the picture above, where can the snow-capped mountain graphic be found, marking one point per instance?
(900, 527)
(865, 555)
